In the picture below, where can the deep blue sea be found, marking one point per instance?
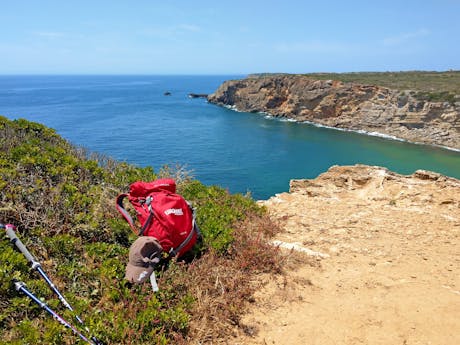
(130, 119)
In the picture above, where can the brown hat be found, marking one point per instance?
(144, 254)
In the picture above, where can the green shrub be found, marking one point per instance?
(217, 211)
(443, 96)
(62, 199)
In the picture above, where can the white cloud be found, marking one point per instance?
(171, 32)
(189, 27)
(312, 47)
(405, 37)
(48, 34)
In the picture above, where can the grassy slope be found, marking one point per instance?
(425, 85)
(413, 80)
(430, 86)
(63, 204)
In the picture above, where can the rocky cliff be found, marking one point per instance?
(345, 105)
(383, 264)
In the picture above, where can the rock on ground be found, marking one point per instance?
(390, 266)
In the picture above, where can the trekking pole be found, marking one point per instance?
(37, 266)
(21, 287)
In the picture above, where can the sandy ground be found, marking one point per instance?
(387, 264)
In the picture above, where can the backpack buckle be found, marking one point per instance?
(146, 202)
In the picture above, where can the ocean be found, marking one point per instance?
(131, 119)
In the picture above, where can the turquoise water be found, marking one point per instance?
(130, 119)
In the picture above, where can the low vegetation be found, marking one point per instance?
(62, 200)
(426, 85)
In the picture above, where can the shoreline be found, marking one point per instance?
(368, 109)
(269, 116)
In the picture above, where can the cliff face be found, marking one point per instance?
(345, 105)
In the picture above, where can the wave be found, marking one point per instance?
(378, 134)
(232, 107)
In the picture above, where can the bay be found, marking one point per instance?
(131, 119)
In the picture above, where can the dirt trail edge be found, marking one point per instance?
(388, 261)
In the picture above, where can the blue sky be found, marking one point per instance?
(227, 37)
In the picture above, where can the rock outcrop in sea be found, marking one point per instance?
(349, 106)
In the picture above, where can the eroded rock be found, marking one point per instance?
(345, 105)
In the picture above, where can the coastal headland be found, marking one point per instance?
(371, 255)
(374, 109)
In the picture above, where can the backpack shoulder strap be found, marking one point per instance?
(125, 213)
(148, 202)
(195, 229)
(129, 219)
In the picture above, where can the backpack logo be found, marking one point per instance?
(175, 211)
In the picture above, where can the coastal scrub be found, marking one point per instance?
(62, 200)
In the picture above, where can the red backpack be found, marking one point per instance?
(163, 214)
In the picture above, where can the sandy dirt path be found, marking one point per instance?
(389, 270)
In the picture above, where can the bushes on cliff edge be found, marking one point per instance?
(62, 200)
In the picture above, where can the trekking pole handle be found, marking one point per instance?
(22, 248)
(20, 286)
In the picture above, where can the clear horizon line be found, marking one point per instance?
(219, 74)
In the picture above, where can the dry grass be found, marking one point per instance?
(223, 285)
